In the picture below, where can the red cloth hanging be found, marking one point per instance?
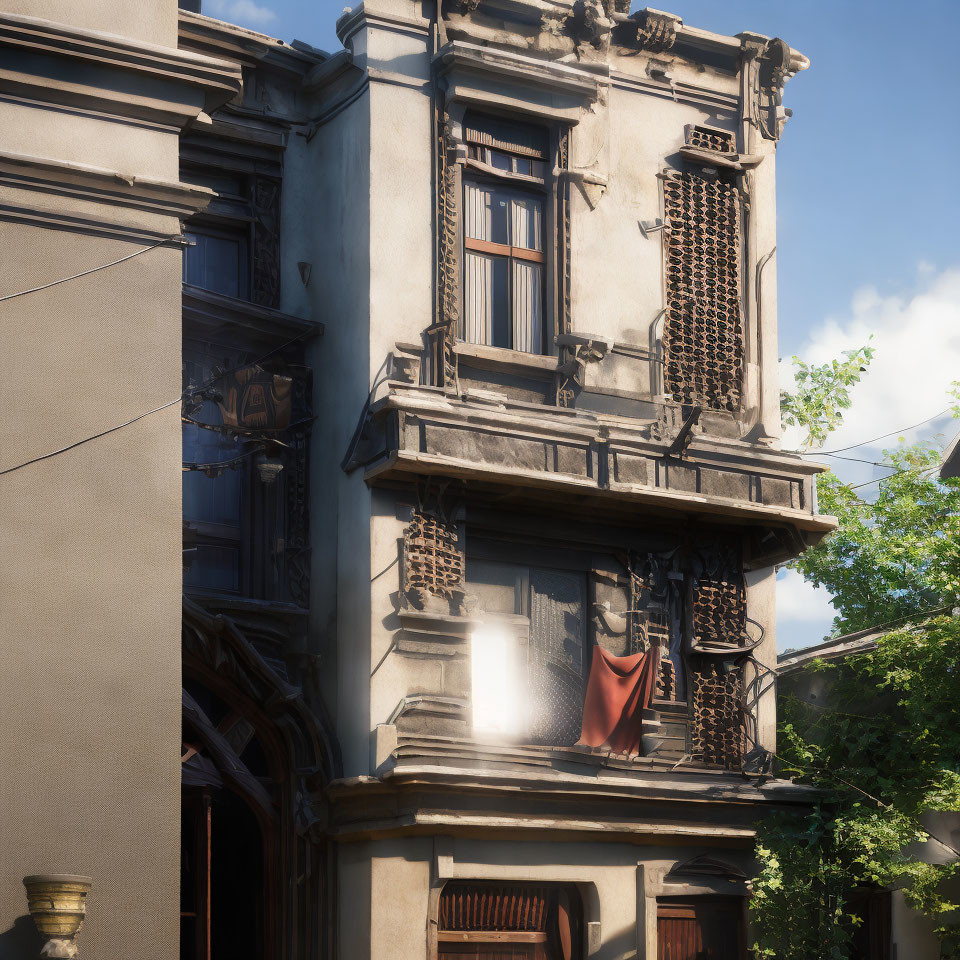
(618, 691)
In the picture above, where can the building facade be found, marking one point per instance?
(481, 487)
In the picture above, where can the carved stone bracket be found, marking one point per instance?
(656, 30)
(576, 351)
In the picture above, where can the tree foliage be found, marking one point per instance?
(883, 748)
(895, 556)
(822, 393)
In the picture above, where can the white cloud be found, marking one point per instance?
(917, 343)
(804, 612)
(240, 11)
(799, 600)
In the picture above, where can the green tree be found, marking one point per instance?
(822, 392)
(887, 750)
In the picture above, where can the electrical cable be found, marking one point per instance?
(96, 436)
(173, 238)
(186, 393)
(853, 446)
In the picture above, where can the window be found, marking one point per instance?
(509, 921)
(217, 261)
(504, 194)
(212, 495)
(528, 659)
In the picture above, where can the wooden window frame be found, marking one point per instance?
(543, 188)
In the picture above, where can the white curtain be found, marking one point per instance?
(527, 226)
(478, 220)
(478, 299)
(483, 220)
(527, 306)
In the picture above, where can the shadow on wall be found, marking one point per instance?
(21, 941)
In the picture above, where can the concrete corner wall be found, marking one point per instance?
(90, 566)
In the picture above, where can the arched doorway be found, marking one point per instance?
(254, 763)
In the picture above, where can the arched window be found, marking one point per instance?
(509, 921)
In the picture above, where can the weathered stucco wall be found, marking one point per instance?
(90, 571)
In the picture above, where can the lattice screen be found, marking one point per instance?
(703, 332)
(709, 138)
(434, 561)
(720, 610)
(717, 735)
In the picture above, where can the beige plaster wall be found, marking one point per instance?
(150, 22)
(90, 552)
(618, 885)
(90, 574)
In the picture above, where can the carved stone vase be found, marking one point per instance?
(57, 904)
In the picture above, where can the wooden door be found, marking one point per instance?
(700, 929)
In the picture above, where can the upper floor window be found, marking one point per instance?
(504, 202)
(217, 261)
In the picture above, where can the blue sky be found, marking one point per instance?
(868, 205)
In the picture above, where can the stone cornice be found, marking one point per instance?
(227, 41)
(660, 807)
(100, 185)
(559, 77)
(214, 314)
(167, 101)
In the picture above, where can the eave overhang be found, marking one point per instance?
(181, 83)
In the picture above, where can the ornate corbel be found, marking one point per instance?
(656, 30)
(576, 351)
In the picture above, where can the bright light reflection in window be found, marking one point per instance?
(496, 700)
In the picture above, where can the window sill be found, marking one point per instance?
(498, 358)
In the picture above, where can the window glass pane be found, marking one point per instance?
(527, 306)
(214, 567)
(501, 161)
(527, 213)
(216, 263)
(486, 214)
(486, 300)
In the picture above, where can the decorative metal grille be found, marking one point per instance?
(703, 332)
(708, 138)
(494, 907)
(434, 561)
(717, 735)
(720, 610)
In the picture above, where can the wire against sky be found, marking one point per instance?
(863, 443)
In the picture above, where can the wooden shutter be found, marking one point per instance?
(700, 930)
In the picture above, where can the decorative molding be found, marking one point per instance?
(579, 83)
(265, 197)
(101, 185)
(176, 73)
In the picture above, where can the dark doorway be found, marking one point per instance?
(222, 881)
(700, 928)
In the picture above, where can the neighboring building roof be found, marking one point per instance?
(849, 644)
(950, 464)
(852, 643)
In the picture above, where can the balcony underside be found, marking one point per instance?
(591, 470)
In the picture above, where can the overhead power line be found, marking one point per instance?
(173, 238)
(96, 436)
(863, 443)
(186, 393)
